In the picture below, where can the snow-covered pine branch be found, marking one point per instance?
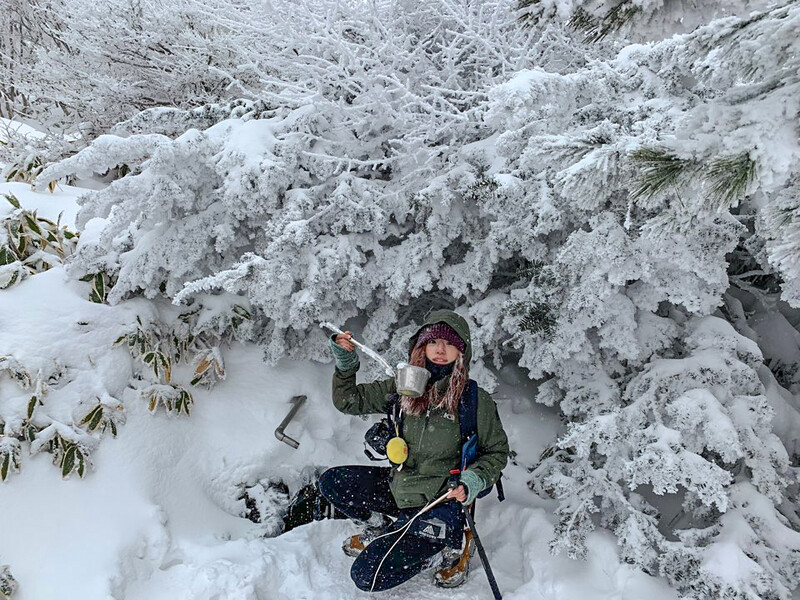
(636, 20)
(332, 195)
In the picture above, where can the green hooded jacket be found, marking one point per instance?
(434, 439)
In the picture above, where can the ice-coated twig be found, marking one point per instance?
(368, 351)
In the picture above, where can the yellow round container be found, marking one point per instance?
(397, 450)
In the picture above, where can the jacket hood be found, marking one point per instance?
(452, 319)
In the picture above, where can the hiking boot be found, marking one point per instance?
(454, 568)
(355, 544)
(301, 507)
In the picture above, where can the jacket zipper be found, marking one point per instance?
(424, 427)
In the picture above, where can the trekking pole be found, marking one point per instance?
(482, 554)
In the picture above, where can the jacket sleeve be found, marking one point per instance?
(360, 399)
(492, 441)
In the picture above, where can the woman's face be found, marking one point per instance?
(441, 352)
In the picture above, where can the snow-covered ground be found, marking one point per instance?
(157, 517)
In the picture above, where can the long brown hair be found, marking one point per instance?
(430, 399)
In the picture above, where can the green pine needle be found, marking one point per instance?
(730, 178)
(537, 317)
(597, 29)
(660, 170)
(527, 12)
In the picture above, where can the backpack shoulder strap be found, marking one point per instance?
(392, 400)
(468, 411)
(394, 412)
(468, 420)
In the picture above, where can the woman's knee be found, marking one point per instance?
(362, 574)
(329, 482)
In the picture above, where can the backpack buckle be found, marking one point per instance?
(454, 479)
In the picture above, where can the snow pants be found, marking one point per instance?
(357, 491)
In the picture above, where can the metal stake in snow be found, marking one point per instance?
(368, 351)
(298, 402)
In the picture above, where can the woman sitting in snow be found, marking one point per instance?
(430, 428)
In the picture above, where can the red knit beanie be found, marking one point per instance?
(440, 331)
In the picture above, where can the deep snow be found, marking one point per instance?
(157, 517)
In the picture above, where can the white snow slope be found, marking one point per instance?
(157, 517)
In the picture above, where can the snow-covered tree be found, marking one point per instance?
(679, 463)
(84, 66)
(652, 178)
(26, 25)
(638, 20)
(340, 199)
(616, 224)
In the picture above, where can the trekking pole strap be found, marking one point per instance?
(482, 554)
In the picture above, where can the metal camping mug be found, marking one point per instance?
(411, 380)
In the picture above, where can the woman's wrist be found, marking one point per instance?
(346, 360)
(473, 483)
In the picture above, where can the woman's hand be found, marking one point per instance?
(343, 348)
(343, 340)
(459, 493)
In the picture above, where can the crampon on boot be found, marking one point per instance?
(355, 544)
(454, 568)
(377, 525)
